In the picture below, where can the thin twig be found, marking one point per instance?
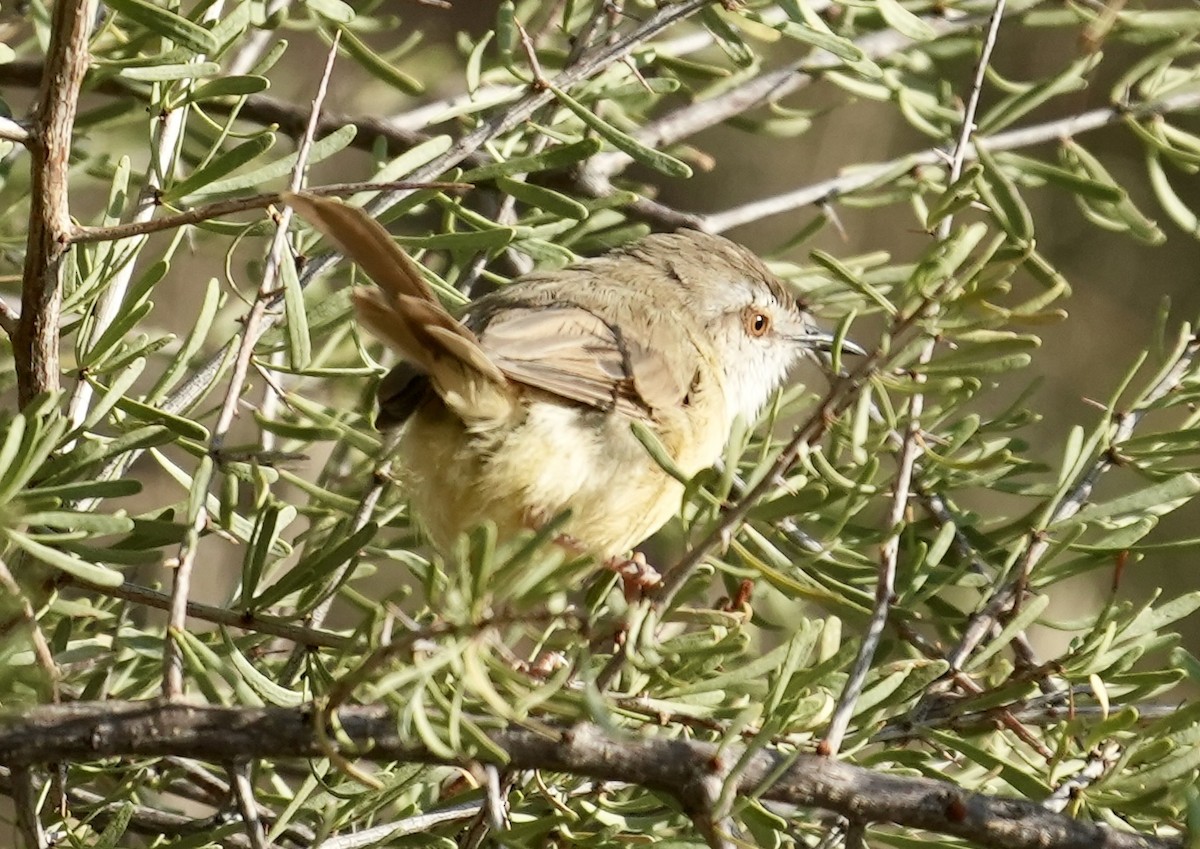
(35, 344)
(172, 655)
(25, 801)
(9, 319)
(168, 131)
(41, 648)
(1099, 762)
(868, 174)
(255, 623)
(217, 209)
(243, 792)
(911, 444)
(11, 131)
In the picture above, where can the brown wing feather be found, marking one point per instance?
(573, 353)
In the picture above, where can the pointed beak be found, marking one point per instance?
(817, 340)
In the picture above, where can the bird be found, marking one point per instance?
(521, 410)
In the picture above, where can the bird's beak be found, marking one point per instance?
(818, 340)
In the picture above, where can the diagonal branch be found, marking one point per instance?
(88, 731)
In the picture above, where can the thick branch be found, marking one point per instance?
(36, 343)
(94, 730)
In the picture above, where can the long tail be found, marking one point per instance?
(405, 313)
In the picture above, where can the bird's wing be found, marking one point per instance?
(573, 353)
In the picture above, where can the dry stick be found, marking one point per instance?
(419, 824)
(35, 344)
(172, 654)
(257, 623)
(243, 792)
(90, 731)
(217, 209)
(27, 805)
(11, 131)
(8, 319)
(910, 449)
(169, 131)
(41, 648)
(765, 88)
(865, 175)
(1005, 596)
(142, 819)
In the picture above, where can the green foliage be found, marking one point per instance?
(132, 467)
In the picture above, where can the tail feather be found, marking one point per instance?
(405, 313)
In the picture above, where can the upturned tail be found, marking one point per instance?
(405, 313)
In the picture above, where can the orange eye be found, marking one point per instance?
(757, 321)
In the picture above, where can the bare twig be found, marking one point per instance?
(869, 174)
(25, 801)
(11, 131)
(419, 824)
(142, 819)
(35, 345)
(243, 792)
(257, 623)
(172, 657)
(911, 444)
(1099, 762)
(217, 209)
(37, 639)
(95, 730)
(8, 319)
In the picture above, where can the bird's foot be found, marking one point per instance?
(637, 575)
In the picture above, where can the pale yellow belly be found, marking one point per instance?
(557, 458)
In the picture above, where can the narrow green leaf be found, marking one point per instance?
(1156, 499)
(662, 162)
(1030, 611)
(167, 73)
(93, 573)
(233, 86)
(85, 489)
(727, 37)
(323, 563)
(543, 198)
(904, 21)
(322, 149)
(267, 689)
(295, 316)
(333, 10)
(71, 520)
(477, 240)
(169, 25)
(550, 159)
(377, 66)
(1003, 198)
(222, 165)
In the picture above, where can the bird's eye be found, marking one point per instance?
(757, 322)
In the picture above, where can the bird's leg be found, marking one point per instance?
(636, 575)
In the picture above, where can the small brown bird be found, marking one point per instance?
(523, 409)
